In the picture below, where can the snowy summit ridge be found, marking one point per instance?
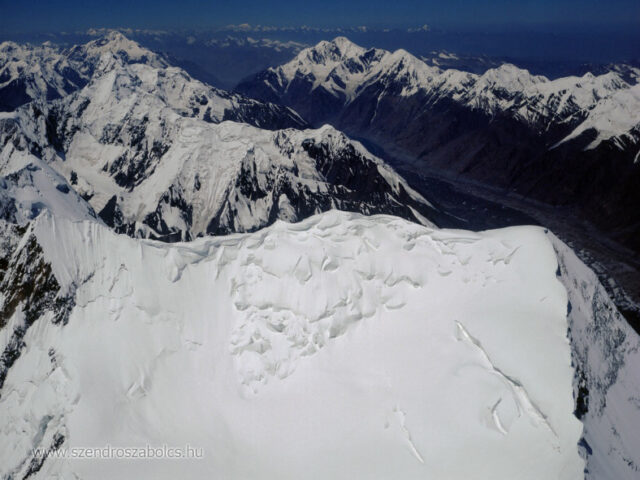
(393, 352)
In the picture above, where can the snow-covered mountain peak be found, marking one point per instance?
(338, 49)
(115, 36)
(315, 62)
(343, 68)
(28, 72)
(147, 88)
(116, 43)
(9, 47)
(617, 115)
(102, 54)
(510, 77)
(604, 83)
(401, 64)
(403, 59)
(347, 47)
(348, 73)
(19, 51)
(46, 72)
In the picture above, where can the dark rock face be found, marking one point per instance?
(36, 463)
(351, 181)
(359, 177)
(317, 106)
(111, 213)
(13, 95)
(508, 154)
(26, 282)
(172, 198)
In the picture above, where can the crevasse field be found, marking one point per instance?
(340, 347)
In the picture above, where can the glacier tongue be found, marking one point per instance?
(338, 347)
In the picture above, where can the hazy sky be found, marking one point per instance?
(57, 15)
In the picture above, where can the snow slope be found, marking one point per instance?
(339, 347)
(606, 352)
(29, 186)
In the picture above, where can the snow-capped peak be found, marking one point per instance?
(614, 116)
(114, 45)
(47, 72)
(510, 77)
(9, 46)
(343, 68)
(338, 49)
(402, 65)
(28, 72)
(347, 47)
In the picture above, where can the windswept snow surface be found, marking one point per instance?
(339, 347)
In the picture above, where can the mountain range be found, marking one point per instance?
(182, 265)
(569, 141)
(158, 154)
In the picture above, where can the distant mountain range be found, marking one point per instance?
(572, 140)
(224, 56)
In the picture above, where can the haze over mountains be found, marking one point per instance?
(302, 315)
(224, 56)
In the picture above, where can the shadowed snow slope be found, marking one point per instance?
(339, 347)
